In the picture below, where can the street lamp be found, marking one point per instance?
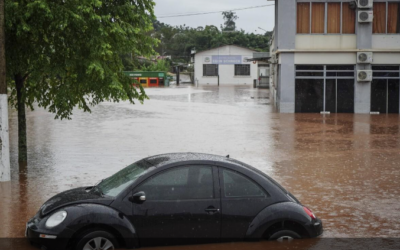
(262, 29)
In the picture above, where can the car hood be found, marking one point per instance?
(73, 196)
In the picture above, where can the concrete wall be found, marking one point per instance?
(226, 72)
(325, 58)
(285, 35)
(386, 58)
(326, 42)
(385, 41)
(362, 94)
(287, 83)
(285, 30)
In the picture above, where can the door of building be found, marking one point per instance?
(339, 96)
(309, 95)
(385, 95)
(324, 88)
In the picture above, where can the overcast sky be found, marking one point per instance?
(249, 19)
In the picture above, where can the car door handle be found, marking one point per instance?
(211, 210)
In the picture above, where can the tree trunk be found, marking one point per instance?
(4, 137)
(22, 145)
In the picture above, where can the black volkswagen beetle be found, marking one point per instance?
(181, 198)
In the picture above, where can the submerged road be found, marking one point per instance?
(345, 167)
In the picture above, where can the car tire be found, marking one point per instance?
(284, 235)
(99, 240)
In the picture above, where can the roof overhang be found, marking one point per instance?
(259, 59)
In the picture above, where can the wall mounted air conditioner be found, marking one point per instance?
(364, 57)
(365, 16)
(364, 75)
(365, 4)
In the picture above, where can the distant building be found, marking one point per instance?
(336, 56)
(262, 59)
(226, 65)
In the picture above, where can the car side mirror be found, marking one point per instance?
(138, 198)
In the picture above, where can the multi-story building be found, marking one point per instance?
(336, 56)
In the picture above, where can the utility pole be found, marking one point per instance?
(177, 75)
(4, 137)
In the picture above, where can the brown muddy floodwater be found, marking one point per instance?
(345, 167)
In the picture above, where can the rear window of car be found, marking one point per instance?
(259, 172)
(237, 185)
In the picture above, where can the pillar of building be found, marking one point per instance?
(362, 90)
(286, 13)
(287, 83)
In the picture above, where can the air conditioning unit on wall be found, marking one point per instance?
(364, 75)
(365, 3)
(365, 16)
(364, 57)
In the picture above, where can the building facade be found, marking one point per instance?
(225, 65)
(336, 56)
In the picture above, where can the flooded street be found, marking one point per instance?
(345, 167)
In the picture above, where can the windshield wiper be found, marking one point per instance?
(98, 190)
(99, 182)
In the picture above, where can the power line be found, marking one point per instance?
(213, 12)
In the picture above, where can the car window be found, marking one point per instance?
(181, 183)
(176, 177)
(116, 183)
(237, 185)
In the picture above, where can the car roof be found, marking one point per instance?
(170, 158)
(166, 159)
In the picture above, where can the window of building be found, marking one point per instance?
(238, 186)
(182, 183)
(327, 88)
(303, 18)
(386, 18)
(318, 18)
(242, 69)
(379, 23)
(340, 19)
(348, 19)
(393, 26)
(385, 85)
(210, 69)
(333, 18)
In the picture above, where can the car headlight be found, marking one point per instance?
(56, 219)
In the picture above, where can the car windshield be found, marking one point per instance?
(116, 183)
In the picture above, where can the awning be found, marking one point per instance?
(259, 59)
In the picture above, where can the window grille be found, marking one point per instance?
(242, 69)
(210, 69)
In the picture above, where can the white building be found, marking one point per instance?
(226, 65)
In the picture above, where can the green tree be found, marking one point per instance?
(161, 65)
(178, 41)
(230, 18)
(62, 54)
